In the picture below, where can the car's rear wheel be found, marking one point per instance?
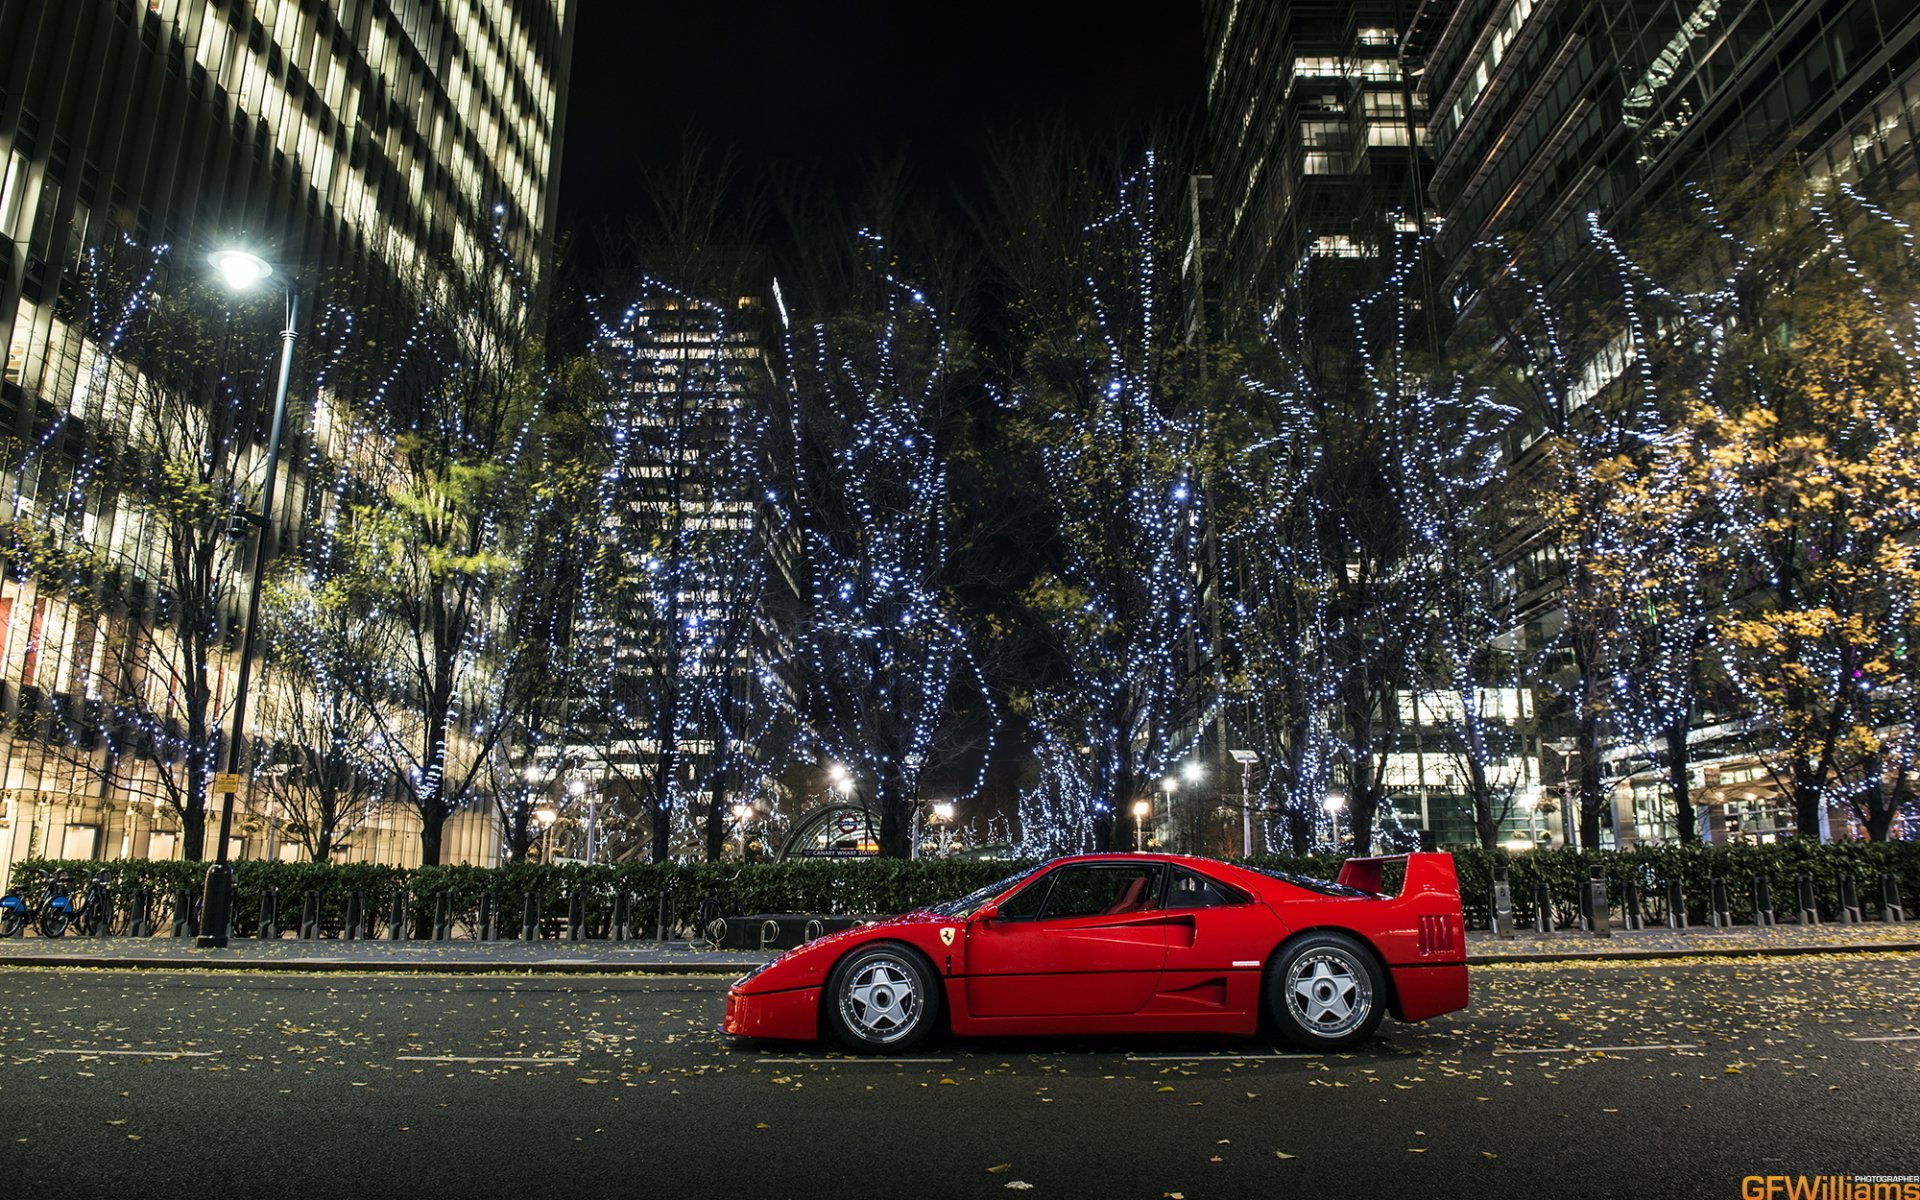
(1325, 992)
(881, 999)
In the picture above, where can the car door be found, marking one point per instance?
(1086, 939)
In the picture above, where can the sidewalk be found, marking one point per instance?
(677, 958)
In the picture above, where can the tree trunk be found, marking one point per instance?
(433, 821)
(1677, 766)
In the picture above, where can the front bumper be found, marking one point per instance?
(793, 1014)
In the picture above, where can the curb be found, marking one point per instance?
(358, 967)
(1567, 956)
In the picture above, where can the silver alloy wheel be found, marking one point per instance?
(881, 1002)
(1328, 992)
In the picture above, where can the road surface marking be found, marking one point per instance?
(143, 1053)
(480, 1058)
(1598, 1049)
(1903, 1037)
(881, 1060)
(1210, 1057)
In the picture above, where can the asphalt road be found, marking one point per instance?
(1642, 1079)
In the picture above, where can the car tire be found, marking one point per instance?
(1325, 992)
(881, 999)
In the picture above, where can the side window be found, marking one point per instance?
(1094, 889)
(1025, 904)
(1190, 889)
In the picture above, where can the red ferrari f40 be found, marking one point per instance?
(1132, 943)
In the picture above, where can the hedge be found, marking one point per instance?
(880, 886)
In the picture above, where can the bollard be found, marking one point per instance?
(621, 916)
(442, 915)
(662, 930)
(530, 918)
(576, 915)
(1502, 904)
(183, 922)
(1718, 891)
(1809, 907)
(1763, 901)
(1676, 905)
(1849, 900)
(1630, 915)
(1599, 917)
(1890, 907)
(310, 917)
(1542, 908)
(356, 916)
(397, 916)
(142, 925)
(486, 933)
(269, 916)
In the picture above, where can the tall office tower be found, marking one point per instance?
(334, 137)
(1312, 140)
(1544, 113)
(1545, 110)
(695, 551)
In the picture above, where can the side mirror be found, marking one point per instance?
(986, 914)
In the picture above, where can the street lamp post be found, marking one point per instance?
(546, 817)
(1246, 759)
(1141, 810)
(240, 271)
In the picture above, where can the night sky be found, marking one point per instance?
(832, 85)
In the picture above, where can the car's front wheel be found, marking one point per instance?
(1325, 992)
(881, 999)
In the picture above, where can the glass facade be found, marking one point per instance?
(339, 137)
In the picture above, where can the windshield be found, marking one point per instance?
(971, 903)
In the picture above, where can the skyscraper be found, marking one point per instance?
(330, 135)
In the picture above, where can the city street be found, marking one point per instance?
(1660, 1078)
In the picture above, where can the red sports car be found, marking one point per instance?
(1131, 943)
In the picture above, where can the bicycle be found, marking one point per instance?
(95, 916)
(14, 912)
(56, 906)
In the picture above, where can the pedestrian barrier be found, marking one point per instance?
(1763, 901)
(1849, 900)
(183, 922)
(530, 917)
(142, 901)
(269, 929)
(1676, 905)
(1809, 908)
(621, 918)
(1717, 891)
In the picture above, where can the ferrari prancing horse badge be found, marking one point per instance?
(946, 936)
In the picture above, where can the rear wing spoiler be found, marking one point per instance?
(1426, 875)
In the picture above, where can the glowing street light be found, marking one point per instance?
(1142, 809)
(241, 270)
